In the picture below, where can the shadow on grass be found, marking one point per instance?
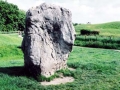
(14, 71)
(18, 71)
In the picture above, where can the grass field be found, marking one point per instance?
(96, 69)
(9, 50)
(108, 38)
(106, 29)
(10, 39)
(98, 41)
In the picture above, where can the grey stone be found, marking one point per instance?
(49, 37)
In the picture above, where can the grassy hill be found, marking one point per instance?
(9, 47)
(10, 39)
(109, 35)
(107, 29)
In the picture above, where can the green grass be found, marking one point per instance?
(96, 69)
(109, 25)
(109, 35)
(10, 39)
(9, 44)
(108, 42)
(106, 29)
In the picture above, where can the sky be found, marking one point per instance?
(83, 11)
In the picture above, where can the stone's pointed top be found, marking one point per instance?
(46, 6)
(43, 6)
(48, 40)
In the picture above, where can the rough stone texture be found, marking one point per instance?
(49, 37)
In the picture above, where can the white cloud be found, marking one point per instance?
(95, 11)
(78, 11)
(25, 4)
(38, 2)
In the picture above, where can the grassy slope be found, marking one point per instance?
(9, 50)
(10, 39)
(111, 28)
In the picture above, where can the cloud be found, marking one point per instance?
(107, 13)
(78, 11)
(25, 4)
(83, 11)
(38, 2)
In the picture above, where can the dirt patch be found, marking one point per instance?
(71, 69)
(58, 81)
(117, 50)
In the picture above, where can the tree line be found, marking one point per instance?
(11, 17)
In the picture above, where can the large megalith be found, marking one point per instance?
(49, 37)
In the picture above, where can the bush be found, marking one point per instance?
(88, 32)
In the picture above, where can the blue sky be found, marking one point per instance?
(83, 11)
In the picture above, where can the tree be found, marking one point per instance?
(75, 24)
(21, 20)
(11, 18)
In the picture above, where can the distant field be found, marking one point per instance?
(10, 39)
(109, 36)
(106, 29)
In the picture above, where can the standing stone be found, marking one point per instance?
(49, 37)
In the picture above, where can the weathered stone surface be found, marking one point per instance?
(49, 37)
